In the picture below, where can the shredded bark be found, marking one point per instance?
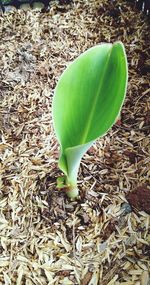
(45, 237)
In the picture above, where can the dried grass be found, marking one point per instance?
(45, 238)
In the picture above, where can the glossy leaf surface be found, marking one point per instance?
(87, 102)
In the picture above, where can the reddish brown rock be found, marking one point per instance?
(139, 199)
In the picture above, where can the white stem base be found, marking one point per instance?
(72, 192)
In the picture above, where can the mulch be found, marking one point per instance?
(103, 237)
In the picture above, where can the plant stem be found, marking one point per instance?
(71, 188)
(72, 191)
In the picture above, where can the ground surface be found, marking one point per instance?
(45, 238)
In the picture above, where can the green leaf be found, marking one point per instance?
(61, 182)
(87, 101)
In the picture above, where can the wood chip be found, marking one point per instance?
(45, 237)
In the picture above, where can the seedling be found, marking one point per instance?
(87, 101)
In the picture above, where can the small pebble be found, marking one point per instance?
(37, 5)
(9, 8)
(25, 7)
(126, 208)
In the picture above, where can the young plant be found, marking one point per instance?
(87, 101)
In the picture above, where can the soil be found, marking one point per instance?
(140, 198)
(102, 237)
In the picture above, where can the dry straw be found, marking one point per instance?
(45, 238)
